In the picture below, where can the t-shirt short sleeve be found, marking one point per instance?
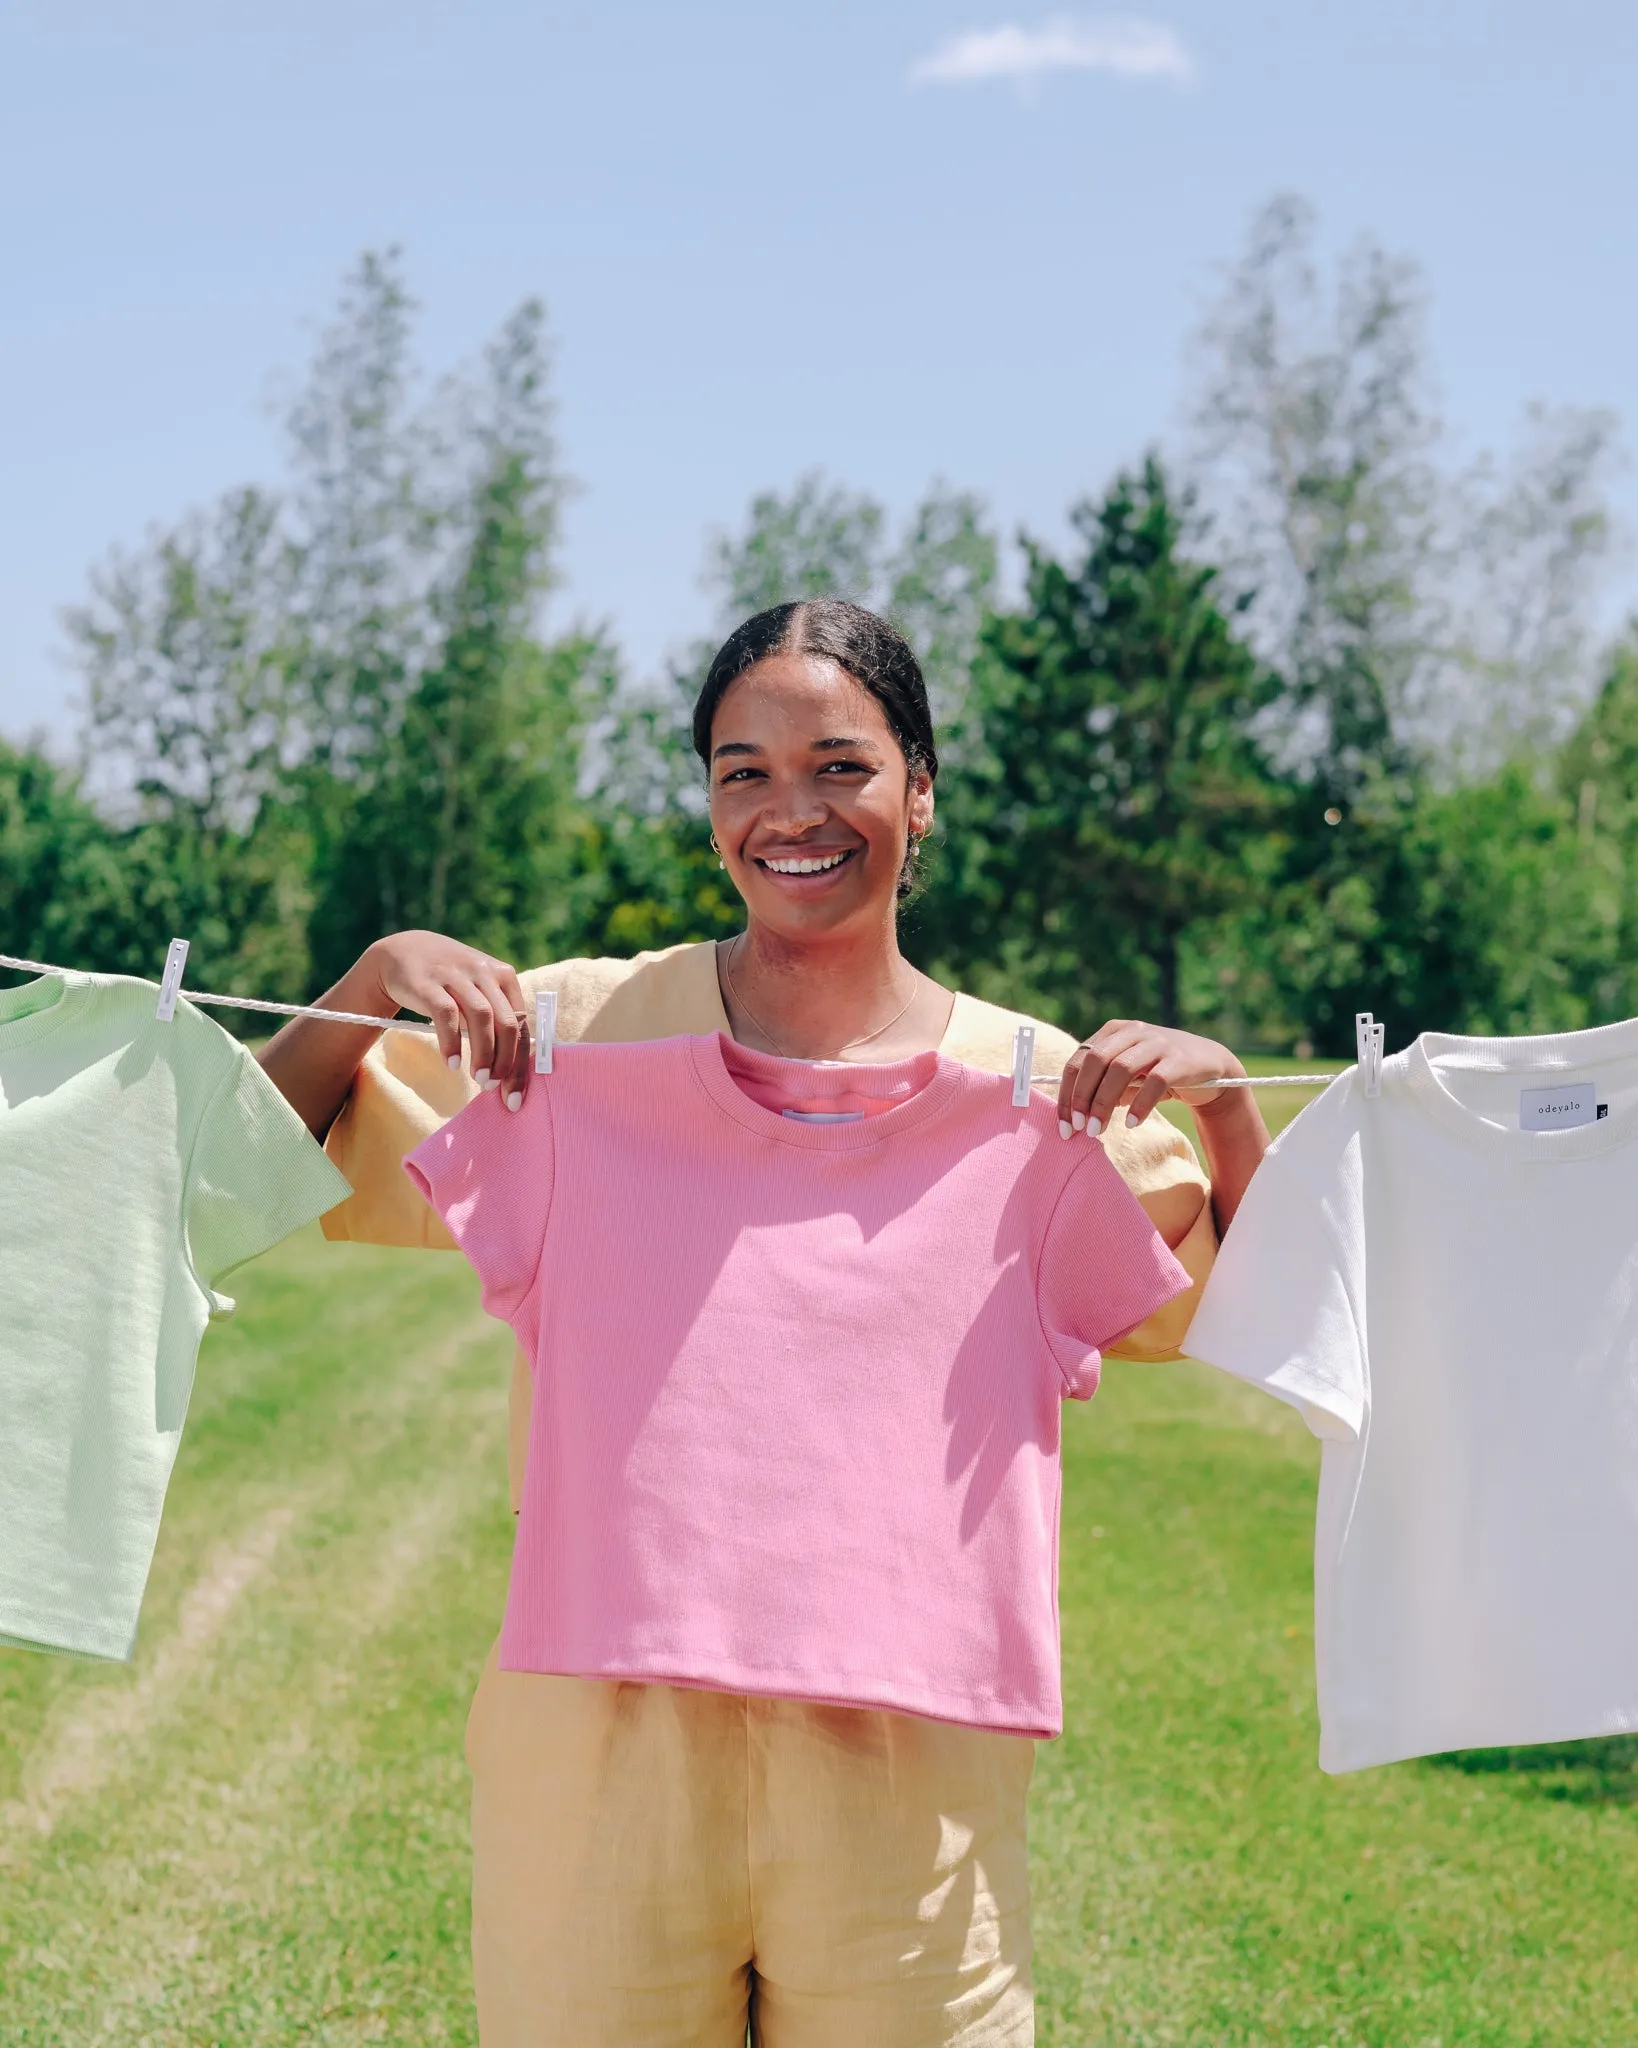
(488, 1174)
(255, 1173)
(1104, 1269)
(1282, 1309)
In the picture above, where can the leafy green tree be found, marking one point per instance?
(1597, 775)
(333, 704)
(1112, 792)
(1324, 774)
(934, 580)
(647, 881)
(1472, 908)
(80, 891)
(187, 650)
(59, 862)
(465, 813)
(1428, 615)
(820, 541)
(660, 883)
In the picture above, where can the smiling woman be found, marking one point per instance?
(864, 667)
(814, 727)
(623, 1832)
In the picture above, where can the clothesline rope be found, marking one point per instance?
(195, 995)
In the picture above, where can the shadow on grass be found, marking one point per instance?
(1600, 1772)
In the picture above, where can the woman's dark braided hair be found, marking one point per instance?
(878, 658)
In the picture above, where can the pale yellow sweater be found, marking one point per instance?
(404, 1091)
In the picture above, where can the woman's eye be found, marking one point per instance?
(845, 767)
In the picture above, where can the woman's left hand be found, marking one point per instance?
(1140, 1065)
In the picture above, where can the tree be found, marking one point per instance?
(1112, 792)
(187, 651)
(1597, 776)
(820, 541)
(337, 696)
(934, 581)
(368, 522)
(59, 860)
(1461, 909)
(934, 578)
(81, 891)
(1428, 616)
(463, 814)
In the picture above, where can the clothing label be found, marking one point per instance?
(1558, 1109)
(823, 1116)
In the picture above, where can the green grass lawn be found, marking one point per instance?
(256, 1832)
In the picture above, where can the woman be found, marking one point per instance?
(663, 1864)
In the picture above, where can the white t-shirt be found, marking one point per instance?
(1451, 1301)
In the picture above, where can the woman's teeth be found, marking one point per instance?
(814, 866)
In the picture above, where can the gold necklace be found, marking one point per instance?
(733, 990)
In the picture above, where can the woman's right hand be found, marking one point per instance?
(313, 1062)
(460, 989)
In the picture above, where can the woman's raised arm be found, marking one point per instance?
(312, 1062)
(1130, 1067)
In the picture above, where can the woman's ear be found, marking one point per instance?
(921, 805)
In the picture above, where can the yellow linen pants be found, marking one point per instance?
(658, 1865)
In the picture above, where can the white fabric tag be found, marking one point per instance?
(1558, 1109)
(823, 1116)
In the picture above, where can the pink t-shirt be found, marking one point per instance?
(796, 1423)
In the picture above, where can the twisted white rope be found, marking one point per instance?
(197, 995)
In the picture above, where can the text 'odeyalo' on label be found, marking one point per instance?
(1558, 1109)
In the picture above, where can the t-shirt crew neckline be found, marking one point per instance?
(1565, 1052)
(14, 1029)
(927, 1080)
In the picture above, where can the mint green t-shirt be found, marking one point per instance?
(139, 1163)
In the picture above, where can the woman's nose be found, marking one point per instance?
(793, 810)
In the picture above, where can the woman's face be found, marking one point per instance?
(811, 799)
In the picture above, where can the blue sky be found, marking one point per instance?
(894, 240)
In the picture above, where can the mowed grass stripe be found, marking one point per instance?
(1198, 1880)
(274, 1845)
(269, 1843)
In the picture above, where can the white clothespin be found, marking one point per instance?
(1023, 1059)
(1368, 1041)
(171, 981)
(545, 1028)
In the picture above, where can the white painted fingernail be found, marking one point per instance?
(1094, 1126)
(455, 1063)
(1063, 1128)
(481, 1076)
(1132, 1119)
(1079, 1120)
(514, 1100)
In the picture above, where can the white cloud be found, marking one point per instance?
(1128, 47)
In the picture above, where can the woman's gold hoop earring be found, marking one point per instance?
(717, 850)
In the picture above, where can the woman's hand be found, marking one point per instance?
(460, 989)
(1140, 1065)
(312, 1062)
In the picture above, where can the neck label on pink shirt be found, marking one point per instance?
(1558, 1109)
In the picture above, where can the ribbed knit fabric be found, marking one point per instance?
(795, 1425)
